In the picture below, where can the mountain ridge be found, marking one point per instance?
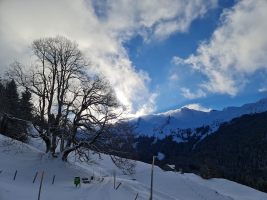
(171, 122)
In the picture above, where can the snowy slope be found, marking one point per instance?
(163, 124)
(167, 185)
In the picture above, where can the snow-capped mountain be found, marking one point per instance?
(185, 123)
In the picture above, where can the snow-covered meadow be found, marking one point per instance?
(28, 160)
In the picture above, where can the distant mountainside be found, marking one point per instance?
(236, 151)
(183, 124)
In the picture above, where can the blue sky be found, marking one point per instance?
(157, 56)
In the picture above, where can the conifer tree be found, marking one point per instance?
(26, 106)
(2, 98)
(12, 98)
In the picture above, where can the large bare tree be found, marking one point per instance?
(72, 106)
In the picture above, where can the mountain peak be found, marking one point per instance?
(160, 125)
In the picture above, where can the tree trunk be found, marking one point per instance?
(71, 138)
(66, 154)
(54, 144)
(47, 142)
(4, 122)
(62, 144)
(68, 144)
(69, 150)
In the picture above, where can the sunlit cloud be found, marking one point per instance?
(192, 95)
(236, 50)
(101, 28)
(196, 106)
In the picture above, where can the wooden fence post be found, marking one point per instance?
(53, 179)
(35, 176)
(40, 187)
(15, 175)
(118, 186)
(114, 179)
(151, 184)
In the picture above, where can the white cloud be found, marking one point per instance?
(166, 17)
(264, 89)
(191, 95)
(178, 61)
(149, 107)
(196, 106)
(236, 50)
(174, 77)
(100, 28)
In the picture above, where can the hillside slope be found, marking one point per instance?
(167, 185)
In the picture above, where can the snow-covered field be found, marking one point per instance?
(27, 160)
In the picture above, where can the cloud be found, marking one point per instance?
(149, 107)
(178, 61)
(196, 106)
(236, 50)
(169, 16)
(101, 28)
(191, 95)
(264, 89)
(173, 77)
(155, 20)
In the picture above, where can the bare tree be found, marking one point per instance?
(94, 110)
(69, 101)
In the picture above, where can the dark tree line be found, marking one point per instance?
(236, 151)
(16, 109)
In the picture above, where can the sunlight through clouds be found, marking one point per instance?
(101, 28)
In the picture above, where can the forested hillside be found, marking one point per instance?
(16, 110)
(237, 151)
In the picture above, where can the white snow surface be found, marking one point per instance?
(163, 124)
(28, 160)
